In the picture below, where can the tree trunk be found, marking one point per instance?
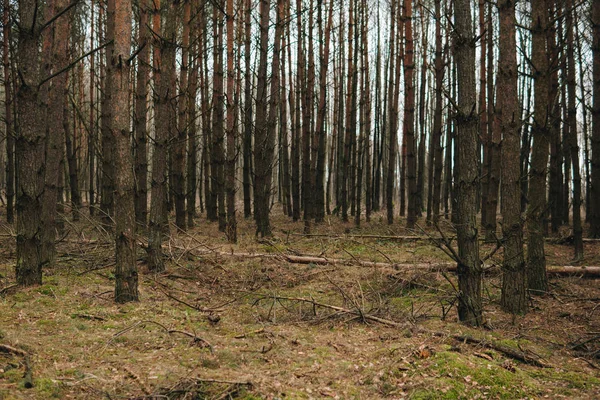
(392, 106)
(108, 146)
(437, 149)
(536, 258)
(595, 222)
(181, 131)
(164, 50)
(192, 153)
(573, 140)
(469, 264)
(126, 277)
(140, 121)
(55, 139)
(262, 181)
(218, 131)
(30, 145)
(409, 117)
(231, 136)
(514, 288)
(8, 116)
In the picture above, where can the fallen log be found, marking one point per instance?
(567, 270)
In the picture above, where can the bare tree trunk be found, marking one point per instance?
(573, 140)
(93, 132)
(514, 287)
(469, 264)
(262, 181)
(126, 277)
(537, 279)
(192, 147)
(367, 111)
(231, 136)
(483, 112)
(320, 134)
(8, 115)
(296, 127)
(595, 221)
(180, 136)
(30, 145)
(140, 121)
(437, 149)
(55, 139)
(393, 114)
(247, 142)
(409, 117)
(164, 50)
(107, 202)
(218, 119)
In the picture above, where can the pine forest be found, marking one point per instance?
(304, 199)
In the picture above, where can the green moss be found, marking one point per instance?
(47, 388)
(487, 379)
(573, 380)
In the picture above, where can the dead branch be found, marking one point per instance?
(197, 308)
(507, 351)
(4, 348)
(356, 313)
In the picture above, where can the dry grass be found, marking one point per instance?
(84, 346)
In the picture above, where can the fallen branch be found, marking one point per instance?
(197, 308)
(4, 348)
(357, 312)
(586, 271)
(28, 374)
(195, 339)
(507, 351)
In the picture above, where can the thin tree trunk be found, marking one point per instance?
(262, 181)
(573, 139)
(231, 136)
(437, 149)
(164, 50)
(181, 131)
(595, 221)
(140, 121)
(8, 116)
(409, 117)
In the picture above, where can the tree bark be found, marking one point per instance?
(55, 139)
(573, 140)
(469, 264)
(514, 287)
(140, 119)
(8, 115)
(536, 258)
(231, 136)
(30, 146)
(595, 221)
(164, 50)
(409, 117)
(126, 277)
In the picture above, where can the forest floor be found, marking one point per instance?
(216, 326)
